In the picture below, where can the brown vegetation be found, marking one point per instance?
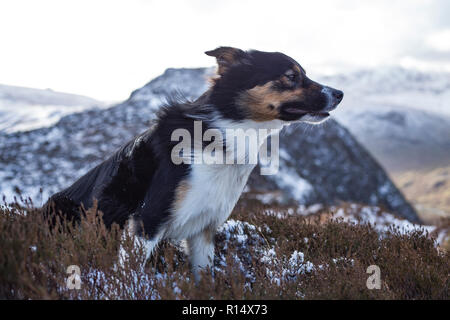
(261, 253)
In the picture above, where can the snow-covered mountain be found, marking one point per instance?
(318, 164)
(401, 116)
(23, 109)
(399, 86)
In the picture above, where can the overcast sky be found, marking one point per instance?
(106, 48)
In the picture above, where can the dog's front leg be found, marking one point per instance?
(148, 248)
(201, 251)
(148, 245)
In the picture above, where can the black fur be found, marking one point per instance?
(140, 178)
(118, 184)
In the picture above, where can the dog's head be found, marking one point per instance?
(265, 86)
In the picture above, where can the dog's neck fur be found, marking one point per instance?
(212, 117)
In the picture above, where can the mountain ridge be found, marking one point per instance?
(23, 109)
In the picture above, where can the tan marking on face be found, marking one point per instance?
(297, 68)
(259, 100)
(181, 193)
(286, 81)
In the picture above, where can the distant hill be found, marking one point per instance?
(401, 116)
(23, 109)
(429, 191)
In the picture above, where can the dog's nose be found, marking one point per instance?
(338, 95)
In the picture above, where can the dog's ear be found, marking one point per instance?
(227, 57)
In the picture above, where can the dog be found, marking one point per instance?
(141, 188)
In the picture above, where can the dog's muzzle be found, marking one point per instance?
(334, 97)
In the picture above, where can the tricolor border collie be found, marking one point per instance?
(142, 189)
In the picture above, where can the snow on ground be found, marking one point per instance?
(380, 220)
(251, 248)
(242, 234)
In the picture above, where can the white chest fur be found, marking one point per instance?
(212, 194)
(213, 190)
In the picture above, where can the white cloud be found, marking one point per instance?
(107, 48)
(424, 65)
(440, 40)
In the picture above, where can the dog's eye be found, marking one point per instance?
(292, 76)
